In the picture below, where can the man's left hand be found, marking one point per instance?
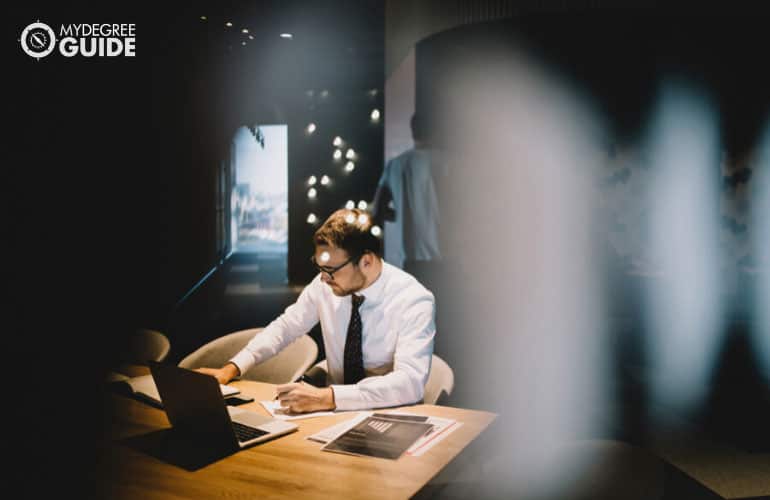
(302, 398)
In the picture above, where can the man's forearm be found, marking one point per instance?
(231, 370)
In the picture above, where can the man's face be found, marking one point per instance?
(347, 278)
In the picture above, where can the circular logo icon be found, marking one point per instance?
(38, 40)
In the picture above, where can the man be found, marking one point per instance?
(407, 197)
(377, 323)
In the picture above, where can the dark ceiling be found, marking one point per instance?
(334, 43)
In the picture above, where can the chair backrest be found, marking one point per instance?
(441, 380)
(287, 366)
(146, 345)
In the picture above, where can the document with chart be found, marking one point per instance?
(379, 436)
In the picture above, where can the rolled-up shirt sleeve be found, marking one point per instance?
(411, 364)
(295, 321)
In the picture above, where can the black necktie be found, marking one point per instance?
(353, 367)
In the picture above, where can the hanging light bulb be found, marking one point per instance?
(363, 219)
(350, 205)
(311, 219)
(337, 154)
(311, 181)
(312, 193)
(349, 166)
(376, 231)
(325, 180)
(310, 128)
(350, 154)
(375, 116)
(362, 205)
(350, 218)
(337, 141)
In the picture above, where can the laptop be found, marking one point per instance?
(195, 406)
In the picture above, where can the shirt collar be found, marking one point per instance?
(373, 292)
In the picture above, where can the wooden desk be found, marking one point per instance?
(287, 467)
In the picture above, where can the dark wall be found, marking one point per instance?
(85, 203)
(345, 113)
(616, 59)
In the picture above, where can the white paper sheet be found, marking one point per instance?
(442, 427)
(329, 433)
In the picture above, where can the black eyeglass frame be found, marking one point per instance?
(329, 271)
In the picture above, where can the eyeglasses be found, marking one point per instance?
(329, 271)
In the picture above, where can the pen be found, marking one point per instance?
(301, 379)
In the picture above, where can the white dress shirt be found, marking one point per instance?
(397, 338)
(411, 178)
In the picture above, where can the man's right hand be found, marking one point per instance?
(223, 375)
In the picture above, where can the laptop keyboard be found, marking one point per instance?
(246, 433)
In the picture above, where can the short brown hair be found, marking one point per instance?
(350, 230)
